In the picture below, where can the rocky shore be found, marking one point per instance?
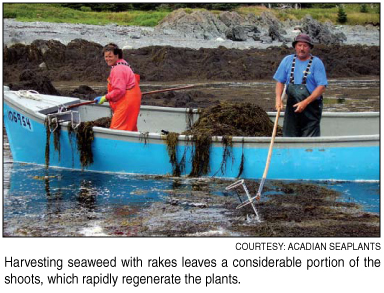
(200, 29)
(200, 48)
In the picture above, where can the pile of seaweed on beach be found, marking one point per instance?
(230, 119)
(286, 209)
(299, 209)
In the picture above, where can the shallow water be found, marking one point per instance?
(58, 202)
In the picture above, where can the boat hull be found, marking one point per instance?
(324, 158)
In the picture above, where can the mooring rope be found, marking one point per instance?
(28, 94)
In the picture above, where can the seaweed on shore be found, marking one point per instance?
(299, 209)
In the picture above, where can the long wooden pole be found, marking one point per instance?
(258, 195)
(168, 90)
(145, 93)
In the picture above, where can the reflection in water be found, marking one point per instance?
(40, 199)
(87, 195)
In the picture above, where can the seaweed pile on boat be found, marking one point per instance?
(225, 120)
(229, 119)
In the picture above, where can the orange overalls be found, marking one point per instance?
(126, 110)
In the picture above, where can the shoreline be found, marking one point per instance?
(134, 37)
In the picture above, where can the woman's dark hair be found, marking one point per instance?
(111, 47)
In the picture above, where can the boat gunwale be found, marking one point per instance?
(236, 139)
(325, 114)
(241, 139)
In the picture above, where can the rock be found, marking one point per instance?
(275, 30)
(321, 33)
(198, 24)
(231, 18)
(43, 65)
(242, 32)
(266, 39)
(136, 37)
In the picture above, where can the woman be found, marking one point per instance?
(124, 95)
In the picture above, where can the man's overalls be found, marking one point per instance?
(306, 123)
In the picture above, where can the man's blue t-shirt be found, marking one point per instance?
(316, 75)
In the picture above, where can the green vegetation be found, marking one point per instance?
(150, 14)
(322, 13)
(60, 14)
(341, 15)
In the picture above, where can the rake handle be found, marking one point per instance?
(271, 144)
(145, 93)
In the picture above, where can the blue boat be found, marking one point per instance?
(348, 149)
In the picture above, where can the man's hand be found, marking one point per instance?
(300, 107)
(279, 104)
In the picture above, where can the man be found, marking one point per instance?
(306, 81)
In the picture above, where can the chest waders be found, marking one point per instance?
(306, 123)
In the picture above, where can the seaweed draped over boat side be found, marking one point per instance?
(225, 120)
(85, 136)
(49, 125)
(201, 153)
(172, 139)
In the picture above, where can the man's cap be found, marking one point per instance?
(302, 38)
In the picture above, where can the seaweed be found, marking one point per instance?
(70, 137)
(226, 120)
(229, 119)
(144, 137)
(241, 167)
(47, 143)
(85, 137)
(189, 117)
(56, 139)
(172, 139)
(201, 154)
(227, 153)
